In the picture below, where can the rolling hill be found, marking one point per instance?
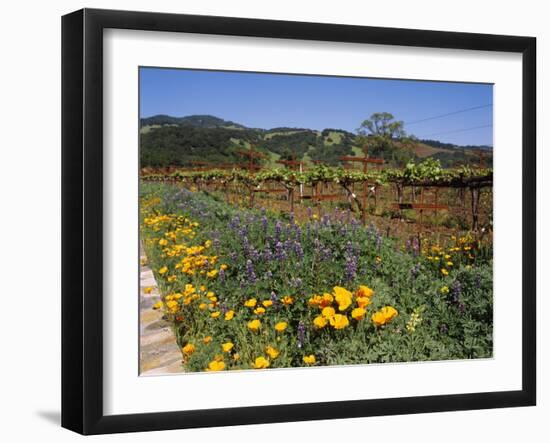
(184, 141)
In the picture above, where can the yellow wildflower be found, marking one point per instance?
(444, 290)
(272, 352)
(328, 312)
(326, 300)
(339, 321)
(358, 313)
(363, 302)
(172, 305)
(378, 318)
(163, 270)
(320, 322)
(158, 305)
(267, 303)
(227, 346)
(212, 273)
(384, 315)
(250, 303)
(202, 306)
(287, 300)
(389, 312)
(216, 366)
(229, 315)
(261, 363)
(148, 289)
(188, 349)
(281, 326)
(259, 311)
(364, 291)
(215, 314)
(207, 339)
(254, 325)
(309, 359)
(342, 297)
(444, 271)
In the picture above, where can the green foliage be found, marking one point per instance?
(439, 315)
(414, 173)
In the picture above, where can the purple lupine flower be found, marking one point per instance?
(280, 253)
(316, 244)
(461, 308)
(344, 230)
(274, 299)
(291, 218)
(243, 233)
(301, 334)
(296, 282)
(216, 241)
(250, 274)
(455, 291)
(351, 262)
(278, 229)
(326, 254)
(235, 222)
(309, 212)
(253, 254)
(267, 255)
(297, 232)
(251, 219)
(221, 275)
(351, 269)
(268, 275)
(443, 329)
(298, 250)
(415, 247)
(415, 270)
(264, 223)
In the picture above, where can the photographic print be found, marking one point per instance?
(294, 220)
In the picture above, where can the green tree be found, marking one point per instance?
(385, 137)
(382, 124)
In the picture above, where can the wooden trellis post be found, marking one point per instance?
(474, 192)
(365, 161)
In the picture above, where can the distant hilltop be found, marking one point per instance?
(166, 141)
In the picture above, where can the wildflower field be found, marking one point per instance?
(248, 288)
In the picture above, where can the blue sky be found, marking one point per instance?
(272, 100)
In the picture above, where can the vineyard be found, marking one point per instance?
(423, 187)
(287, 267)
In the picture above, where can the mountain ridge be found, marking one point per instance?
(168, 140)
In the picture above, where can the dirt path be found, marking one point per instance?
(158, 351)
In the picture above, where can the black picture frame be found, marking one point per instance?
(82, 218)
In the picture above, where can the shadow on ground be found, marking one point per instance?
(54, 417)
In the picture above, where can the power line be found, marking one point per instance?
(449, 113)
(458, 130)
